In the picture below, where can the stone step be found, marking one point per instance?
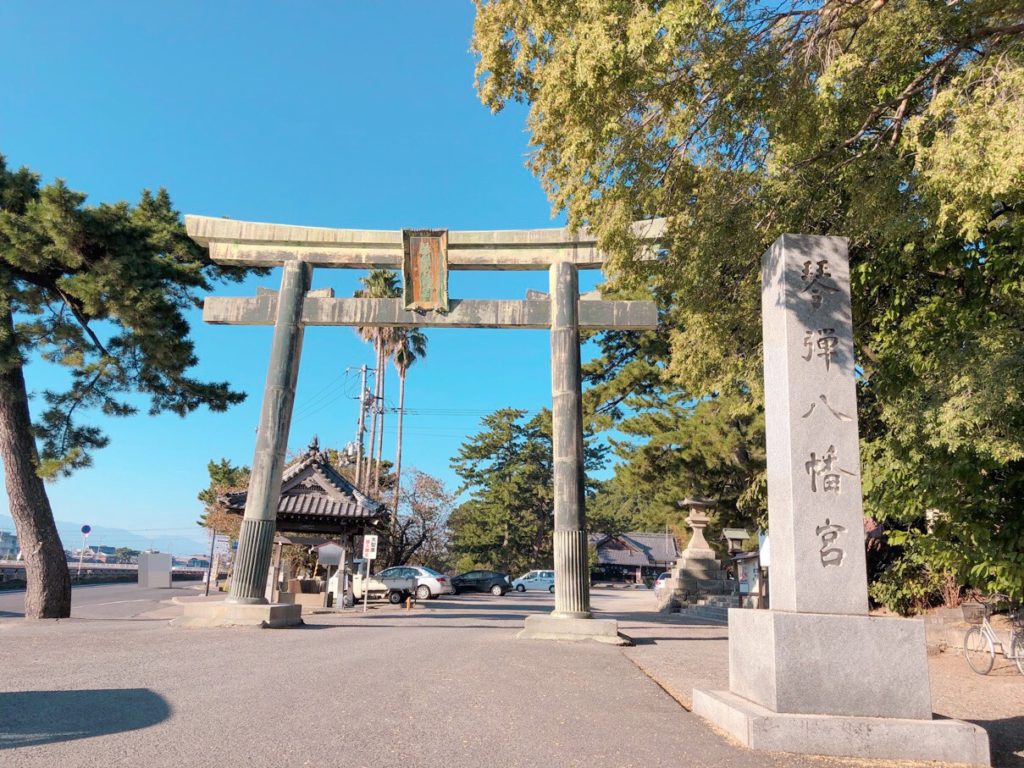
(720, 601)
(707, 613)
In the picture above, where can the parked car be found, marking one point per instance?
(429, 583)
(393, 588)
(535, 580)
(482, 581)
(662, 581)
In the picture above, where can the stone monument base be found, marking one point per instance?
(755, 727)
(225, 614)
(548, 627)
(833, 684)
(829, 664)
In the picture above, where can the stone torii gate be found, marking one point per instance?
(424, 257)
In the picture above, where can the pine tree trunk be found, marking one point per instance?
(398, 447)
(46, 568)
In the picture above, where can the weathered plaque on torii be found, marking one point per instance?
(423, 257)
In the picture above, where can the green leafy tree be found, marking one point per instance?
(895, 124)
(101, 291)
(507, 468)
(124, 555)
(224, 477)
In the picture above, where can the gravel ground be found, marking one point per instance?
(446, 685)
(683, 654)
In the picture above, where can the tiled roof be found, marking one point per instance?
(311, 487)
(635, 549)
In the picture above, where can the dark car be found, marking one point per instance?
(482, 581)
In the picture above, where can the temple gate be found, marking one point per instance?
(424, 257)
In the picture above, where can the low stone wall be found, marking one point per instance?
(131, 577)
(944, 628)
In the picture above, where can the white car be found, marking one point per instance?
(544, 580)
(429, 583)
(662, 581)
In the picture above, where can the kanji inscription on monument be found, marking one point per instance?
(814, 498)
(425, 269)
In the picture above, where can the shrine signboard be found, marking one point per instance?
(425, 269)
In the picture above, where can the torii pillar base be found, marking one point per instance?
(553, 627)
(226, 614)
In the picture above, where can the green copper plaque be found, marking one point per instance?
(425, 269)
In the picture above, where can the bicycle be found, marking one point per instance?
(981, 639)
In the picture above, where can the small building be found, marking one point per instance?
(316, 499)
(632, 557)
(8, 546)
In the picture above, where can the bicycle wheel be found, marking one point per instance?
(978, 650)
(1017, 651)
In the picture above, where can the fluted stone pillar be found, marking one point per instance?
(256, 538)
(572, 579)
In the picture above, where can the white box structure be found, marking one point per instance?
(155, 570)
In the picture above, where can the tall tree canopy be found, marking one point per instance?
(101, 291)
(509, 515)
(896, 123)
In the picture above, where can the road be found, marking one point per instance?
(443, 685)
(446, 684)
(102, 601)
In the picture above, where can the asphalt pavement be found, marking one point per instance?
(102, 601)
(446, 684)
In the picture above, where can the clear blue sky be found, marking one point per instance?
(359, 115)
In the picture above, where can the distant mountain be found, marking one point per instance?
(174, 542)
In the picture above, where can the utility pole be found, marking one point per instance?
(209, 566)
(361, 427)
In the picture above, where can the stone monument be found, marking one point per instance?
(816, 674)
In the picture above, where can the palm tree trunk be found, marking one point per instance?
(398, 446)
(48, 594)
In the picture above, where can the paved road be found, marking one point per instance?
(447, 685)
(102, 601)
(444, 685)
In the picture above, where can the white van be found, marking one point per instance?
(535, 580)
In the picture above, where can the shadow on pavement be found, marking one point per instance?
(1006, 741)
(658, 640)
(30, 718)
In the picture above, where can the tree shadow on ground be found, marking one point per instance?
(659, 640)
(1006, 741)
(31, 718)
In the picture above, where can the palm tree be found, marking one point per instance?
(407, 346)
(378, 284)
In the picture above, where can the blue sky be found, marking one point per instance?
(356, 115)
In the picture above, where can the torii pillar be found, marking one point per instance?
(424, 256)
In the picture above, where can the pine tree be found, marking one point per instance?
(101, 291)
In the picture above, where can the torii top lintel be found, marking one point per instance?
(256, 244)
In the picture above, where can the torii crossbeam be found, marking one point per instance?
(424, 256)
